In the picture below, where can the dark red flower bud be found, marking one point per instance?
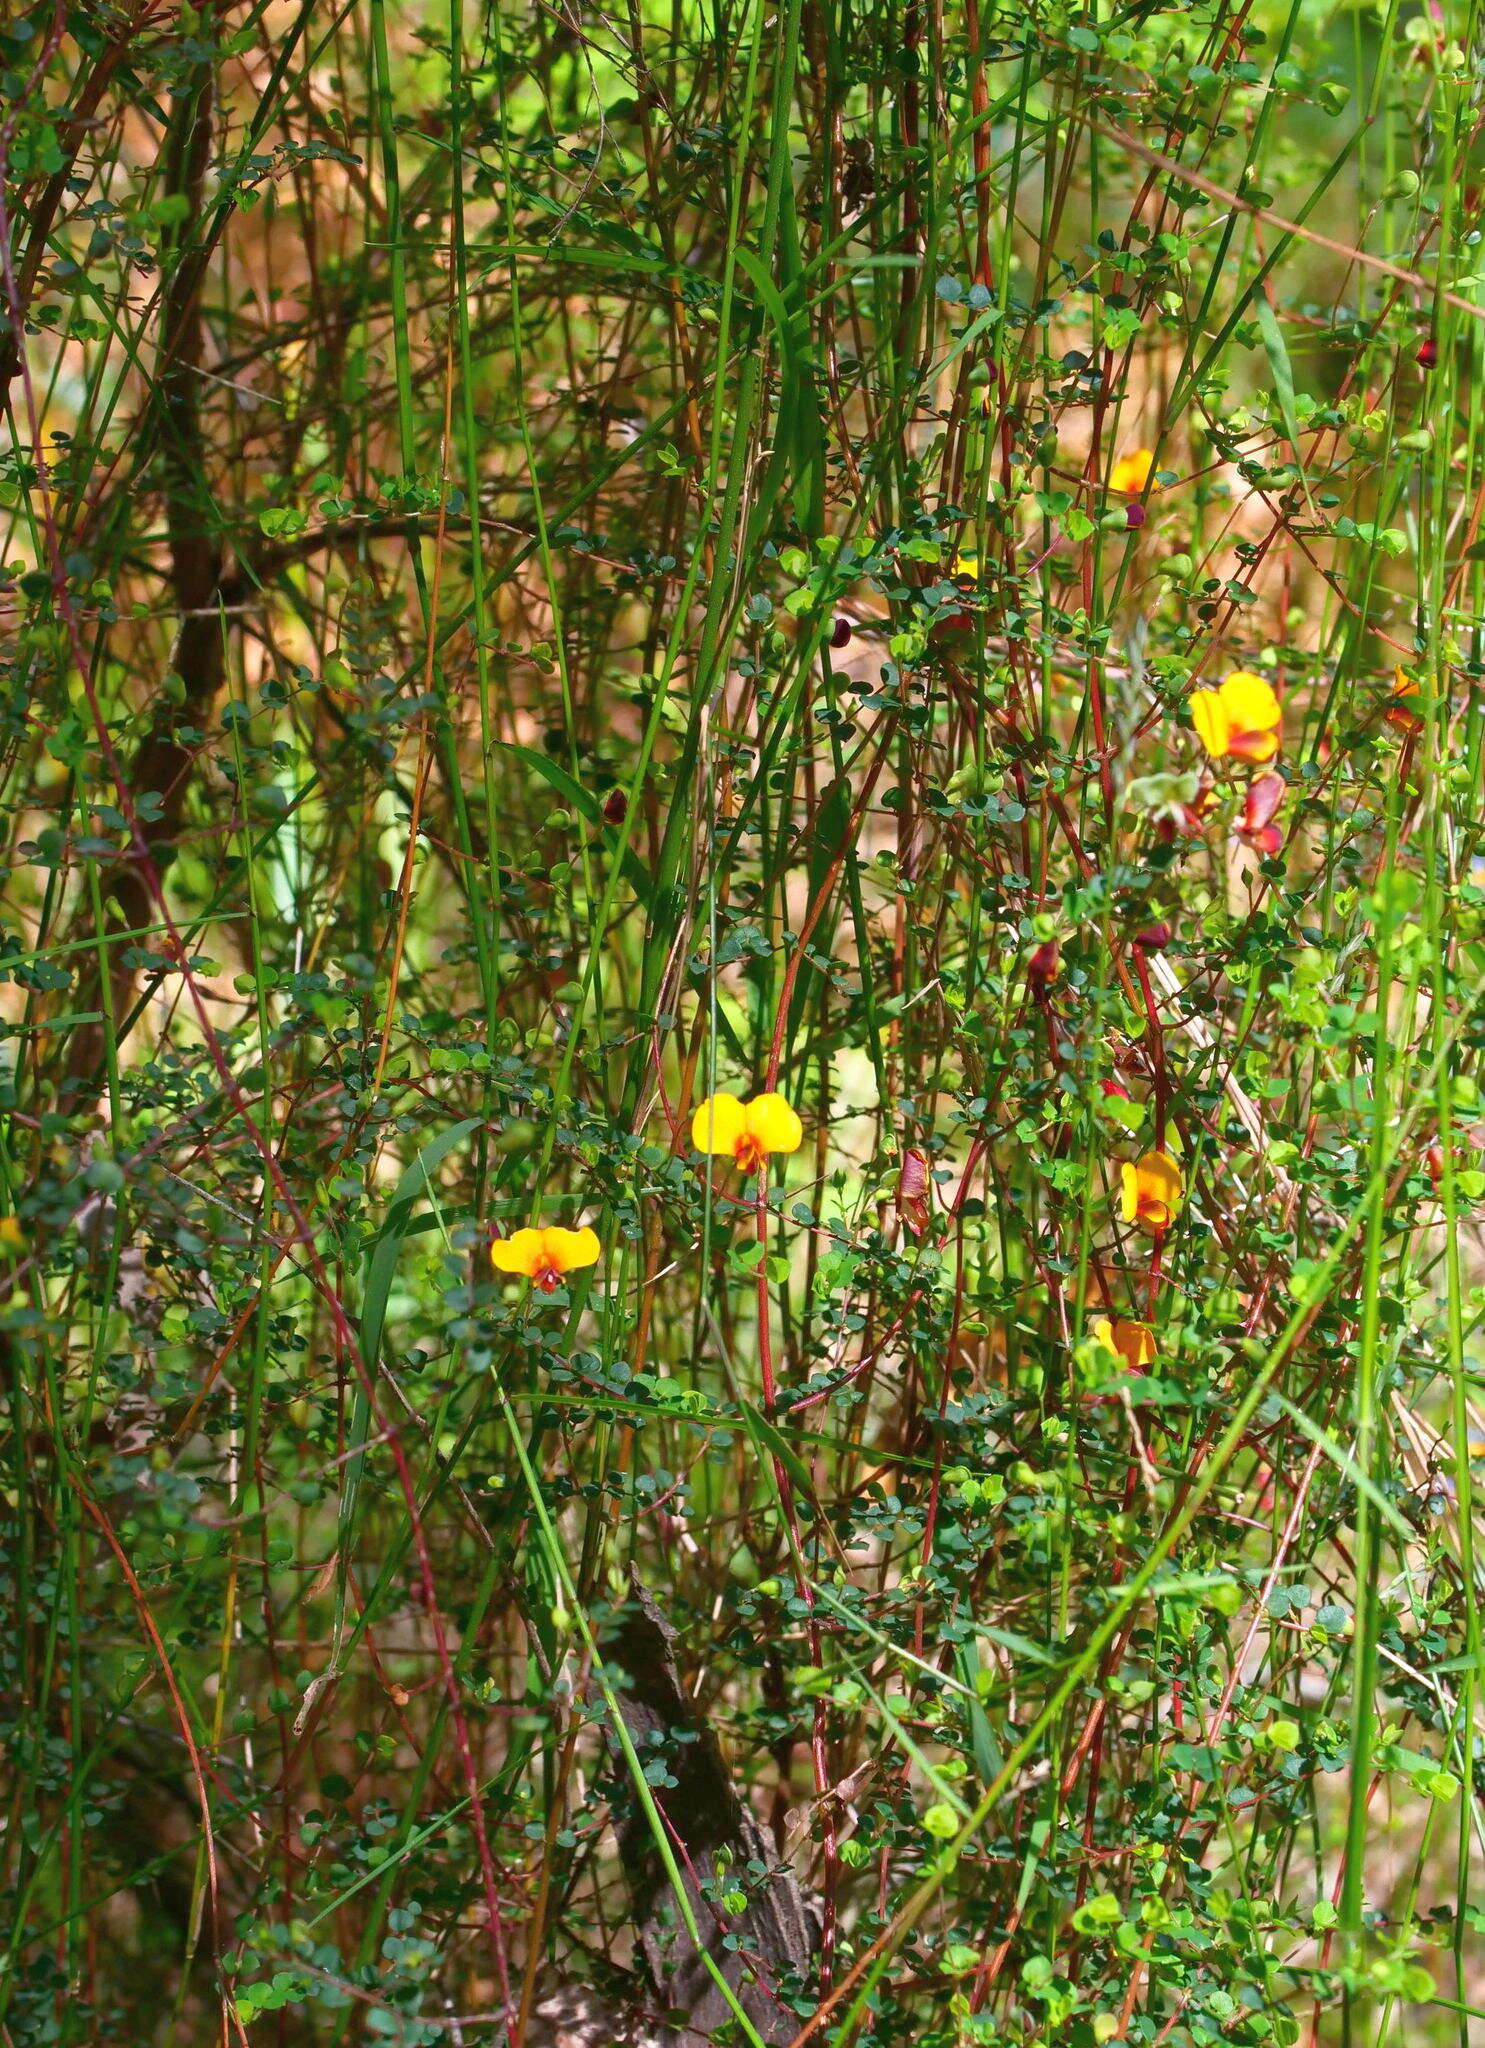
(1045, 963)
(841, 634)
(1134, 516)
(1154, 938)
(1428, 354)
(615, 807)
(1116, 1089)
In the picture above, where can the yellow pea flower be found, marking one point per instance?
(1133, 1342)
(544, 1256)
(1151, 1189)
(746, 1131)
(1132, 472)
(1399, 712)
(1240, 717)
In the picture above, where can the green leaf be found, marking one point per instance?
(283, 522)
(768, 1439)
(1283, 376)
(381, 1263)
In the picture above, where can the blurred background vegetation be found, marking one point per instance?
(558, 559)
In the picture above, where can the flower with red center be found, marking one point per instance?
(545, 1257)
(1400, 713)
(727, 1127)
(1131, 474)
(1150, 1190)
(1240, 717)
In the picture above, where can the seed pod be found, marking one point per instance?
(1260, 807)
(914, 1191)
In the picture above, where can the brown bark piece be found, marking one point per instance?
(710, 1826)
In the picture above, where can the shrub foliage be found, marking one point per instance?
(560, 563)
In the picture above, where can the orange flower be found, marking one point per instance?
(747, 1131)
(1151, 1190)
(544, 1256)
(1240, 717)
(1130, 475)
(1133, 1342)
(1399, 713)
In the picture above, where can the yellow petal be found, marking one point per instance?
(1152, 1189)
(1165, 1171)
(1249, 703)
(1160, 1183)
(522, 1252)
(1135, 1343)
(1253, 716)
(11, 1233)
(1131, 472)
(718, 1124)
(1209, 717)
(772, 1124)
(566, 1250)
